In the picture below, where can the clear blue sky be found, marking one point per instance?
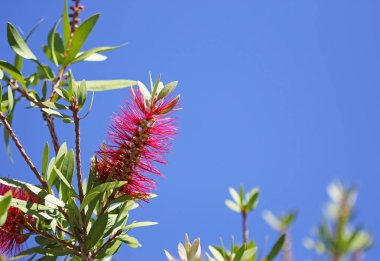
(283, 95)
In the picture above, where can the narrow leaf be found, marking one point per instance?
(18, 44)
(106, 85)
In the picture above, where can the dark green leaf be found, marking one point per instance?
(45, 159)
(66, 24)
(110, 250)
(80, 37)
(276, 248)
(13, 72)
(93, 193)
(97, 230)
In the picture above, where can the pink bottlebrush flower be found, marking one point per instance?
(138, 138)
(12, 233)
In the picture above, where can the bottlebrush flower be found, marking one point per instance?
(138, 138)
(12, 232)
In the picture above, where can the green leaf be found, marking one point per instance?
(234, 195)
(272, 220)
(13, 72)
(217, 255)
(169, 256)
(51, 39)
(154, 89)
(25, 206)
(18, 44)
(10, 99)
(45, 159)
(97, 230)
(233, 206)
(66, 24)
(130, 241)
(1, 74)
(45, 72)
(82, 94)
(276, 248)
(140, 224)
(5, 203)
(110, 250)
(7, 135)
(39, 192)
(18, 59)
(106, 85)
(93, 193)
(86, 54)
(168, 88)
(80, 37)
(253, 200)
(239, 253)
(33, 29)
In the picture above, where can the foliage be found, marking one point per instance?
(242, 203)
(336, 237)
(90, 220)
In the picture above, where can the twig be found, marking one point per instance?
(75, 109)
(22, 151)
(110, 239)
(245, 227)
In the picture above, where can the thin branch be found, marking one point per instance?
(75, 109)
(245, 227)
(110, 239)
(22, 151)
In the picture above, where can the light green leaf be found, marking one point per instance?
(39, 192)
(217, 255)
(86, 54)
(10, 99)
(79, 38)
(169, 256)
(234, 195)
(18, 44)
(130, 241)
(140, 224)
(233, 206)
(5, 203)
(106, 85)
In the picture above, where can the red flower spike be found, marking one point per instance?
(12, 233)
(138, 138)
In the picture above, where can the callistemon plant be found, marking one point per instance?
(68, 213)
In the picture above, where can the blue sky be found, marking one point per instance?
(283, 95)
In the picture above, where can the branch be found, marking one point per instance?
(110, 239)
(245, 227)
(22, 151)
(75, 109)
